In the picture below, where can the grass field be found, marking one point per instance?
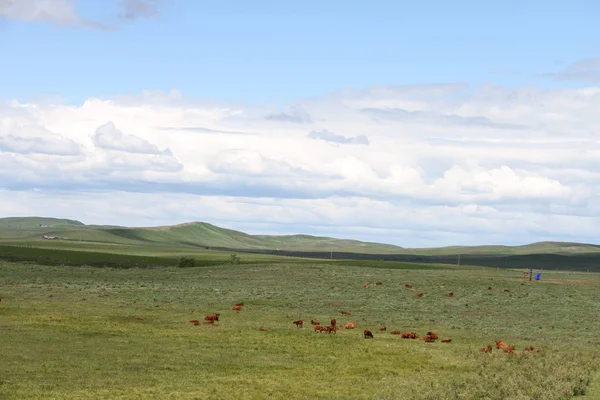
(71, 332)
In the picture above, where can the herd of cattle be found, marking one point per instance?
(429, 337)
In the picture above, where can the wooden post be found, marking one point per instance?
(530, 274)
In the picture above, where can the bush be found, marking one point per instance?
(234, 259)
(186, 262)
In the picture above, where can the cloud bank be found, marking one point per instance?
(424, 165)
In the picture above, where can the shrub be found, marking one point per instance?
(186, 262)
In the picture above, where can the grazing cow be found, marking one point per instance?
(427, 339)
(333, 322)
(350, 325)
(378, 283)
(420, 295)
(432, 335)
(510, 350)
(330, 329)
(409, 335)
(236, 308)
(490, 288)
(239, 304)
(501, 345)
(487, 349)
(0, 298)
(531, 349)
(212, 317)
(367, 334)
(382, 329)
(345, 312)
(195, 322)
(408, 286)
(451, 294)
(314, 322)
(298, 323)
(262, 329)
(506, 290)
(395, 333)
(139, 319)
(366, 286)
(319, 328)
(446, 340)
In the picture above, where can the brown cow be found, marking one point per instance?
(367, 334)
(487, 349)
(506, 290)
(333, 322)
(395, 333)
(501, 345)
(446, 340)
(382, 329)
(319, 328)
(236, 308)
(239, 304)
(409, 335)
(330, 329)
(451, 294)
(378, 283)
(490, 288)
(432, 335)
(408, 286)
(298, 323)
(195, 322)
(366, 286)
(345, 312)
(212, 317)
(262, 329)
(350, 325)
(420, 295)
(314, 322)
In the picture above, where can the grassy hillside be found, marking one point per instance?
(204, 235)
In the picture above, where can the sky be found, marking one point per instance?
(420, 124)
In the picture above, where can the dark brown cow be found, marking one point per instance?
(450, 294)
(409, 335)
(367, 334)
(314, 322)
(212, 317)
(239, 304)
(330, 329)
(420, 295)
(446, 340)
(378, 283)
(195, 322)
(236, 308)
(319, 328)
(395, 333)
(382, 329)
(408, 286)
(298, 323)
(345, 312)
(262, 329)
(333, 322)
(432, 335)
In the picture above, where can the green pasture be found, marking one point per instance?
(70, 332)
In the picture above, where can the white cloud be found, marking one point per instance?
(58, 12)
(486, 164)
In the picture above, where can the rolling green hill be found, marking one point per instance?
(204, 235)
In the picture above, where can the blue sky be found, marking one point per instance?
(413, 123)
(273, 51)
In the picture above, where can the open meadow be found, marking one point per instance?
(77, 332)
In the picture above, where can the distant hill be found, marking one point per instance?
(202, 234)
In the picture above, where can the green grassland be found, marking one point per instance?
(70, 332)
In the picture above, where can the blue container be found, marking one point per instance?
(538, 276)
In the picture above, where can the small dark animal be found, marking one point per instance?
(298, 323)
(195, 322)
(139, 319)
(490, 288)
(420, 295)
(236, 308)
(446, 340)
(239, 304)
(314, 322)
(333, 322)
(395, 333)
(408, 286)
(262, 329)
(382, 329)
(345, 312)
(330, 329)
(367, 334)
(378, 283)
(432, 335)
(506, 290)
(450, 294)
